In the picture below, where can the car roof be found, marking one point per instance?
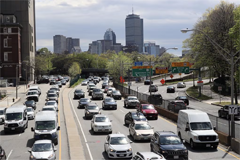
(140, 122)
(42, 141)
(49, 106)
(45, 116)
(179, 101)
(51, 101)
(146, 104)
(92, 104)
(17, 108)
(166, 133)
(33, 87)
(117, 135)
(149, 155)
(100, 115)
(132, 97)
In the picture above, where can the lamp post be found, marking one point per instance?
(17, 81)
(230, 61)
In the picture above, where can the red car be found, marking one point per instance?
(148, 111)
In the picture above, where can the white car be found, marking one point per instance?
(49, 108)
(141, 130)
(85, 82)
(109, 91)
(30, 113)
(101, 123)
(52, 103)
(148, 156)
(181, 85)
(117, 146)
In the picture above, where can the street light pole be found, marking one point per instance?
(16, 81)
(150, 77)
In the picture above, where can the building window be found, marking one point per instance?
(9, 30)
(5, 30)
(7, 43)
(7, 56)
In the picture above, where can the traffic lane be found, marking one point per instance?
(96, 141)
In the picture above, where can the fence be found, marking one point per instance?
(221, 125)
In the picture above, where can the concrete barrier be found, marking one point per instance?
(167, 114)
(224, 138)
(235, 145)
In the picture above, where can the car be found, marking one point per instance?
(109, 103)
(133, 116)
(49, 108)
(30, 103)
(223, 112)
(35, 88)
(106, 89)
(131, 101)
(2, 153)
(140, 131)
(109, 91)
(52, 81)
(52, 97)
(84, 82)
(101, 123)
(97, 94)
(52, 91)
(52, 103)
(116, 94)
(66, 78)
(59, 83)
(30, 113)
(55, 88)
(176, 105)
(43, 80)
(148, 156)
(90, 84)
(155, 99)
(43, 149)
(63, 81)
(183, 98)
(117, 146)
(166, 143)
(91, 109)
(59, 77)
(2, 115)
(148, 111)
(83, 102)
(153, 88)
(170, 89)
(181, 85)
(96, 79)
(32, 95)
(78, 93)
(90, 89)
(148, 82)
(104, 84)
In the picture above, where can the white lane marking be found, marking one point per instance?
(121, 111)
(20, 134)
(80, 128)
(9, 154)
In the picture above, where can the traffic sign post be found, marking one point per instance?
(232, 109)
(162, 81)
(180, 69)
(141, 71)
(161, 70)
(138, 63)
(171, 76)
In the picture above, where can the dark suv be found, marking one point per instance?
(155, 99)
(224, 112)
(169, 145)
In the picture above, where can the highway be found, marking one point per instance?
(96, 141)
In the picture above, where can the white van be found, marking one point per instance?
(46, 126)
(16, 118)
(2, 114)
(195, 128)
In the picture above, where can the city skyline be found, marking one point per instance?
(88, 19)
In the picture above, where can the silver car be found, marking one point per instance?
(52, 103)
(30, 113)
(42, 149)
(181, 85)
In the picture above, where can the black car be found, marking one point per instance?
(30, 103)
(91, 109)
(63, 81)
(170, 89)
(43, 80)
(83, 102)
(2, 154)
(130, 117)
(224, 112)
(183, 98)
(176, 105)
(66, 78)
(148, 82)
(116, 94)
(169, 145)
(109, 103)
(78, 93)
(155, 99)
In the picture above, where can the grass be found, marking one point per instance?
(185, 80)
(193, 92)
(77, 83)
(222, 103)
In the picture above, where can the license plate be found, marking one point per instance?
(99, 129)
(208, 145)
(176, 157)
(121, 155)
(145, 137)
(150, 116)
(12, 128)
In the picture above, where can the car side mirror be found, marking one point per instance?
(25, 118)
(186, 129)
(58, 128)
(55, 149)
(152, 127)
(110, 120)
(214, 128)
(32, 129)
(106, 142)
(30, 151)
(57, 110)
(130, 141)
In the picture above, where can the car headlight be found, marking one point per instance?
(144, 112)
(112, 150)
(51, 156)
(138, 134)
(87, 112)
(217, 137)
(195, 137)
(185, 151)
(164, 151)
(54, 134)
(20, 123)
(32, 157)
(129, 150)
(5, 124)
(99, 112)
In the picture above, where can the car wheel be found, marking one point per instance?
(110, 132)
(156, 118)
(192, 144)
(124, 105)
(56, 143)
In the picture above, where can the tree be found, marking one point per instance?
(74, 69)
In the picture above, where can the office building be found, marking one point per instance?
(151, 48)
(65, 45)
(134, 31)
(110, 35)
(18, 30)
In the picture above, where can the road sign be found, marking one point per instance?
(138, 63)
(171, 76)
(129, 84)
(148, 63)
(180, 69)
(220, 88)
(141, 72)
(180, 64)
(162, 81)
(161, 70)
(233, 109)
(141, 67)
(180, 74)
(199, 83)
(121, 79)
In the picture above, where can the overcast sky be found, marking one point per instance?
(89, 19)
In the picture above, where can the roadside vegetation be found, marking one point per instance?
(222, 103)
(77, 83)
(193, 92)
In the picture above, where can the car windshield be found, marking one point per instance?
(109, 100)
(29, 102)
(45, 125)
(48, 109)
(78, 91)
(118, 141)
(50, 103)
(29, 109)
(92, 107)
(55, 89)
(13, 116)
(84, 100)
(32, 93)
(148, 107)
(132, 98)
(116, 92)
(183, 97)
(97, 90)
(92, 86)
(42, 147)
(52, 95)
(1, 112)
(101, 119)
(201, 126)
(142, 127)
(169, 140)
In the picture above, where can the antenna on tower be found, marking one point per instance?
(132, 11)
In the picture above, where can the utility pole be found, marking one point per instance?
(129, 81)
(16, 81)
(150, 77)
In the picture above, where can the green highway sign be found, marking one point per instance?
(180, 69)
(141, 72)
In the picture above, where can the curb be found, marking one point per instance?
(216, 105)
(193, 97)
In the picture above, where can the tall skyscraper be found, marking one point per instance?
(59, 44)
(134, 31)
(110, 35)
(151, 48)
(24, 13)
